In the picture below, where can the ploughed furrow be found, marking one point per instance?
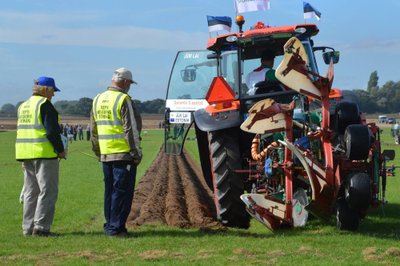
(173, 192)
(146, 185)
(200, 205)
(175, 206)
(152, 211)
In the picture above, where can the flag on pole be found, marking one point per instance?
(310, 11)
(219, 23)
(251, 5)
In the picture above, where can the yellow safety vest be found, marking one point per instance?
(32, 142)
(107, 114)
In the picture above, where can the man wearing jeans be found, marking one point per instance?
(116, 126)
(38, 146)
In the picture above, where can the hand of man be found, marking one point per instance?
(136, 161)
(62, 155)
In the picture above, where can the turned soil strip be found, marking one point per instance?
(200, 205)
(173, 192)
(153, 209)
(175, 206)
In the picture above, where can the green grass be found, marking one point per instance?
(79, 220)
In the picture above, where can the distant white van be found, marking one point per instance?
(382, 119)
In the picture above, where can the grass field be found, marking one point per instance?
(79, 220)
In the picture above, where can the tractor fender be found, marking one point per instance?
(207, 122)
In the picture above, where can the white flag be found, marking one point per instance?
(251, 5)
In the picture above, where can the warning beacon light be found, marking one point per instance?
(240, 21)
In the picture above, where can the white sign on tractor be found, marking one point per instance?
(180, 117)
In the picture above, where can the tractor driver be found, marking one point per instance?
(264, 72)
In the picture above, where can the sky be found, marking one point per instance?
(81, 42)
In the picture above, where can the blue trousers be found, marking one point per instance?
(119, 185)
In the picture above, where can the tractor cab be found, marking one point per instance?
(233, 57)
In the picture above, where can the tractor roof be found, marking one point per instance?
(260, 35)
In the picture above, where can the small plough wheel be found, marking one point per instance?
(299, 213)
(346, 218)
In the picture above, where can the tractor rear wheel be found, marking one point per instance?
(346, 218)
(228, 185)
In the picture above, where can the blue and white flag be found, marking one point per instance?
(219, 23)
(310, 11)
(251, 5)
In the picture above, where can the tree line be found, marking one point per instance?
(373, 99)
(83, 106)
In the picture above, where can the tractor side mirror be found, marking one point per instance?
(388, 155)
(188, 74)
(331, 55)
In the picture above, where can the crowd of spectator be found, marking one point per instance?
(75, 132)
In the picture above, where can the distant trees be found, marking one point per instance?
(156, 106)
(8, 110)
(83, 106)
(374, 99)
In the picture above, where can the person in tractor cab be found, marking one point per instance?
(264, 72)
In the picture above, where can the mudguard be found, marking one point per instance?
(217, 121)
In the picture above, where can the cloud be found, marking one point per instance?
(43, 29)
(15, 19)
(375, 45)
(111, 37)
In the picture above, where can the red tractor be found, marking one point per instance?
(281, 149)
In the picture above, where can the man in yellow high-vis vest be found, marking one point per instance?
(115, 129)
(38, 146)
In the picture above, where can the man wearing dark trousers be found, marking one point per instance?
(116, 125)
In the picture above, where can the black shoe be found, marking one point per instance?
(37, 232)
(122, 234)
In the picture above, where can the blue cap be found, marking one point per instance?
(47, 81)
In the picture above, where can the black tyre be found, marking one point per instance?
(358, 191)
(228, 185)
(346, 113)
(204, 154)
(357, 141)
(346, 218)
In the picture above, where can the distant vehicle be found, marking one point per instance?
(390, 120)
(382, 119)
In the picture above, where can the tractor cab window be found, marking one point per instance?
(229, 69)
(192, 75)
(253, 71)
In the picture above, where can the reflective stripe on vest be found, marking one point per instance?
(32, 142)
(107, 114)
